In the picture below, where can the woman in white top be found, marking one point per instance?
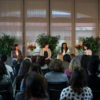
(64, 48)
(87, 51)
(78, 89)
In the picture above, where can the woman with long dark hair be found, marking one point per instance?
(78, 89)
(35, 87)
(64, 48)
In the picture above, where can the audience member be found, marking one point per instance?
(8, 68)
(57, 72)
(78, 89)
(35, 87)
(33, 68)
(93, 78)
(17, 66)
(84, 62)
(5, 81)
(66, 61)
(44, 66)
(60, 56)
(73, 64)
(72, 55)
(24, 68)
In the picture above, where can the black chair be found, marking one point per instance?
(6, 91)
(1, 97)
(55, 88)
(19, 96)
(96, 95)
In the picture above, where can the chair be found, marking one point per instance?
(19, 96)
(6, 91)
(55, 88)
(96, 95)
(1, 97)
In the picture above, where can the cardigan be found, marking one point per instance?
(42, 53)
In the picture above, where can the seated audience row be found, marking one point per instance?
(82, 75)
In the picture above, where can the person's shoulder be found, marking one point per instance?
(48, 49)
(65, 92)
(87, 89)
(5, 80)
(63, 75)
(48, 73)
(9, 68)
(67, 89)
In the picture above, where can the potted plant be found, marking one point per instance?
(6, 43)
(48, 39)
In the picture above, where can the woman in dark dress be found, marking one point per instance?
(46, 52)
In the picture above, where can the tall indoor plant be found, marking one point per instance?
(48, 39)
(6, 44)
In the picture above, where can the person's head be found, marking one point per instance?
(93, 66)
(85, 47)
(25, 65)
(35, 68)
(72, 55)
(64, 47)
(4, 59)
(75, 62)
(84, 61)
(16, 47)
(60, 56)
(78, 80)
(56, 65)
(67, 58)
(2, 70)
(46, 46)
(35, 86)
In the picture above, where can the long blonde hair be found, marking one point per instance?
(75, 62)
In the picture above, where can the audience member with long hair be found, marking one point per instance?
(85, 61)
(24, 68)
(33, 68)
(66, 61)
(35, 87)
(75, 62)
(78, 89)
